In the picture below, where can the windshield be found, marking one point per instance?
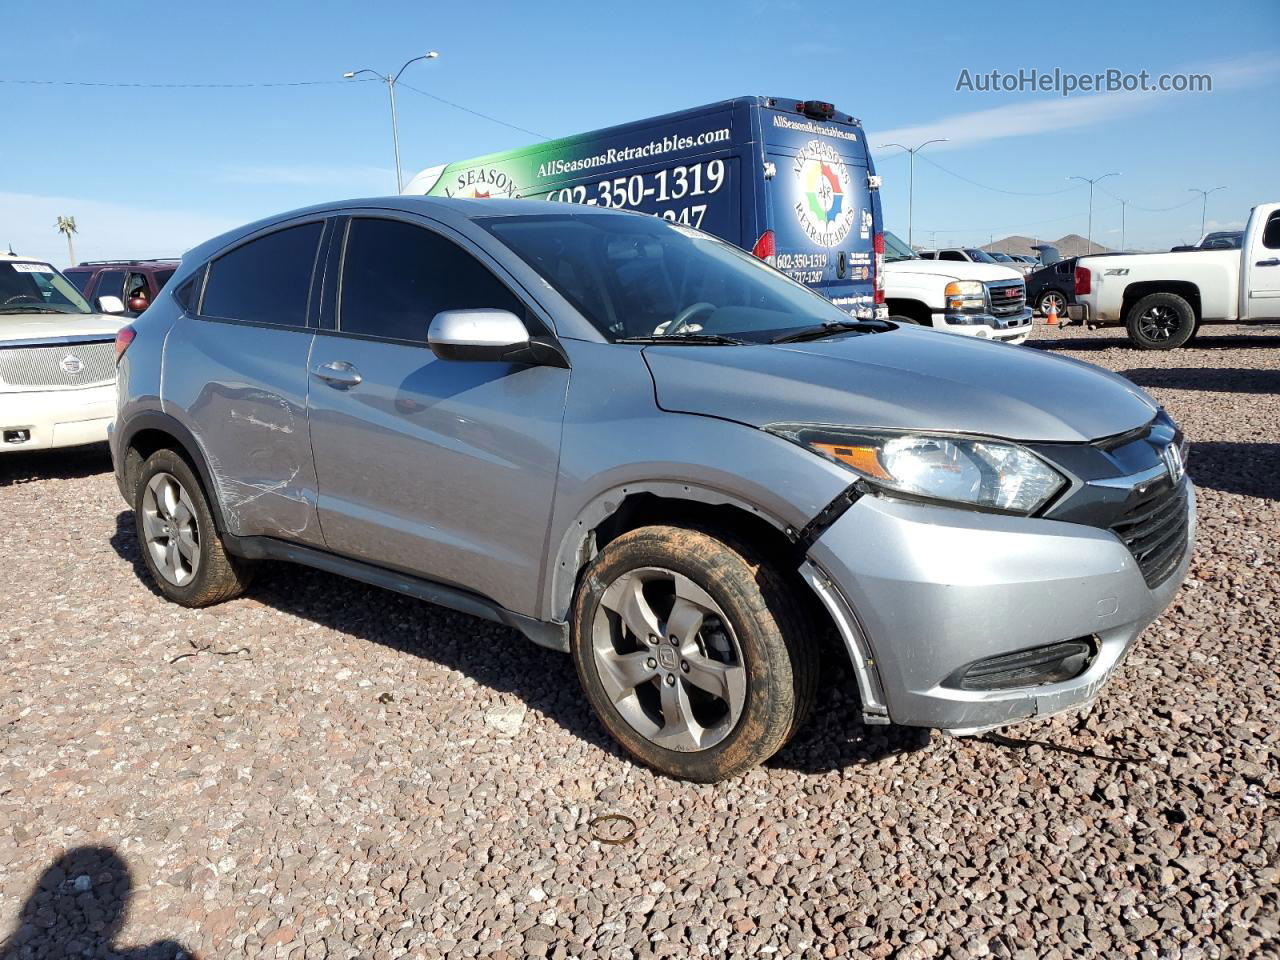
(33, 287)
(1001, 257)
(895, 250)
(980, 256)
(633, 276)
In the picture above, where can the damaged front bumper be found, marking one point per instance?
(942, 602)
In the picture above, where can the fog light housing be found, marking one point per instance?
(1036, 667)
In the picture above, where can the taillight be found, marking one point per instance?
(1084, 280)
(764, 248)
(124, 337)
(879, 267)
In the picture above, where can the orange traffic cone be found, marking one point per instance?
(1052, 317)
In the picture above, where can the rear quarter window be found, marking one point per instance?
(267, 280)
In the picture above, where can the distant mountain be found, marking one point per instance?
(1072, 245)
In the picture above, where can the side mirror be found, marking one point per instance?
(110, 304)
(488, 334)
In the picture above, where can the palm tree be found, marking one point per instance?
(67, 226)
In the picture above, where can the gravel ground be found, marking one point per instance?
(322, 769)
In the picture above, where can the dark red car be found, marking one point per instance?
(136, 283)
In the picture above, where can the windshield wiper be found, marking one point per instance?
(696, 339)
(30, 308)
(833, 327)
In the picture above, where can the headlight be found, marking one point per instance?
(965, 296)
(988, 474)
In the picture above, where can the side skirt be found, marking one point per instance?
(551, 634)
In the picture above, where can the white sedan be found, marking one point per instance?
(57, 360)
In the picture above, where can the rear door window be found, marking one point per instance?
(110, 284)
(267, 280)
(397, 276)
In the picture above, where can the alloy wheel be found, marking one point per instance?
(1055, 300)
(170, 528)
(1158, 322)
(668, 659)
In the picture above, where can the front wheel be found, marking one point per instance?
(1160, 321)
(694, 655)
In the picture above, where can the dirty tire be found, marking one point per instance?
(773, 636)
(218, 575)
(1160, 321)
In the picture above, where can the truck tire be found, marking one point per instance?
(177, 537)
(1160, 321)
(1056, 297)
(694, 654)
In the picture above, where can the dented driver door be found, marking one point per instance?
(236, 374)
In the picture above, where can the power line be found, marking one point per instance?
(174, 86)
(1176, 206)
(255, 85)
(1012, 193)
(476, 113)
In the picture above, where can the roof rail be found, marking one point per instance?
(137, 262)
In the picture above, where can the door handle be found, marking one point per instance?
(338, 374)
(1273, 262)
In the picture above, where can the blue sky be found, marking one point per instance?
(153, 171)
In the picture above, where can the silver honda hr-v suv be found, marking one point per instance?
(637, 444)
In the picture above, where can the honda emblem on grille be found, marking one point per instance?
(71, 364)
(1173, 461)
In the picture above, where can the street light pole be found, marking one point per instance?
(391, 81)
(1123, 204)
(1089, 235)
(1204, 203)
(911, 179)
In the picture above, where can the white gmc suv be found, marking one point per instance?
(976, 299)
(57, 360)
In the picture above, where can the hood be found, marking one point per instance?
(49, 326)
(954, 270)
(907, 379)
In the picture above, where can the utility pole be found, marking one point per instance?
(911, 177)
(1123, 204)
(391, 81)
(1091, 181)
(1204, 203)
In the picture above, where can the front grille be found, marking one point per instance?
(1007, 298)
(1154, 528)
(58, 365)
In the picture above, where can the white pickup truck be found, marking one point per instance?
(982, 300)
(1162, 299)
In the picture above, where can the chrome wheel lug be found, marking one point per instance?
(651, 663)
(671, 679)
(684, 665)
(675, 641)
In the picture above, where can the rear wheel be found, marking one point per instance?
(176, 534)
(1160, 321)
(694, 655)
(1052, 299)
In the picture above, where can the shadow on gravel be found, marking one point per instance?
(1252, 469)
(1084, 343)
(1214, 379)
(77, 908)
(503, 660)
(72, 463)
(489, 653)
(836, 738)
